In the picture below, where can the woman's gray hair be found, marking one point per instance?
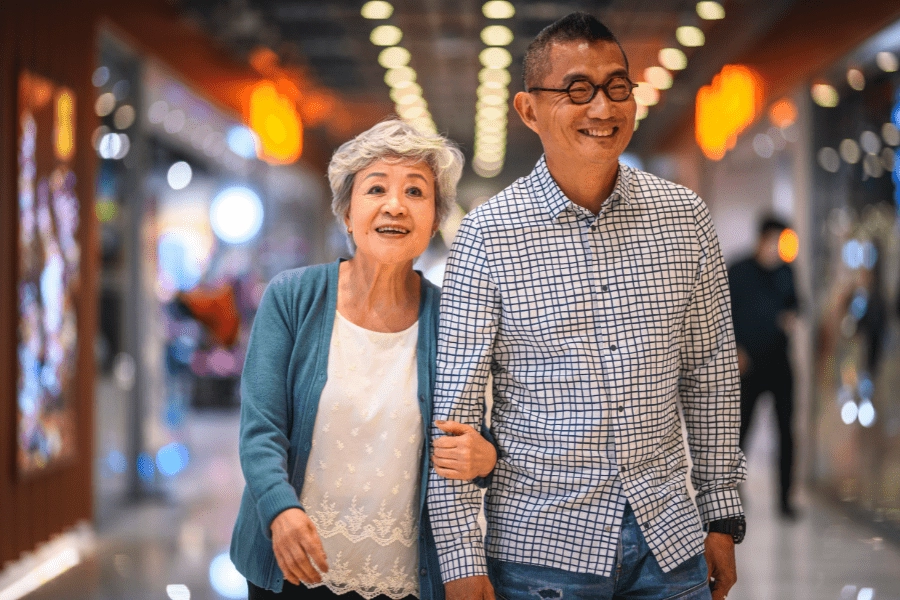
(396, 141)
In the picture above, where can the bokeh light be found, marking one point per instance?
(856, 79)
(783, 113)
(225, 578)
(788, 245)
(178, 591)
(711, 11)
(386, 35)
(658, 77)
(498, 9)
(496, 35)
(495, 58)
(172, 458)
(236, 215)
(377, 9)
(824, 95)
(690, 36)
(393, 57)
(179, 175)
(646, 94)
(673, 59)
(887, 62)
(242, 141)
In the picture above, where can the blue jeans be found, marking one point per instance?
(637, 576)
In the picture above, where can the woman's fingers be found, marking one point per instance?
(312, 545)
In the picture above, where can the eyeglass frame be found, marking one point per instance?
(599, 86)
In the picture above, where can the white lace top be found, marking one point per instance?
(362, 478)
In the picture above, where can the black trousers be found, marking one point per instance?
(301, 592)
(775, 377)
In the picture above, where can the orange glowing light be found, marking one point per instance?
(788, 245)
(725, 108)
(783, 113)
(274, 119)
(64, 125)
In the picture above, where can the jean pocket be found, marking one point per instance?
(698, 592)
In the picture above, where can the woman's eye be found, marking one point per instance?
(376, 189)
(414, 191)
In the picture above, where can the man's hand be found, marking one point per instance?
(744, 362)
(721, 564)
(297, 545)
(470, 588)
(463, 454)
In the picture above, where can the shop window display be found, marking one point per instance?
(48, 277)
(857, 279)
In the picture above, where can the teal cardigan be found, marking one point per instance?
(284, 373)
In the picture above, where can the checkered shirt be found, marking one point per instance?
(594, 327)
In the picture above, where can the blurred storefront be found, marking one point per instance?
(856, 280)
(819, 149)
(153, 183)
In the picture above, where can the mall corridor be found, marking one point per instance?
(163, 161)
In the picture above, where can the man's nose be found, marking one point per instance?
(600, 106)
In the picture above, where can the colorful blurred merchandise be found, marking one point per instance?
(216, 309)
(48, 278)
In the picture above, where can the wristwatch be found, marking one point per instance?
(736, 527)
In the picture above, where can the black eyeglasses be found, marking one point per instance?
(617, 89)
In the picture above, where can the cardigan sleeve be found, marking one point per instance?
(264, 436)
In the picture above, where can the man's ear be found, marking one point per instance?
(524, 103)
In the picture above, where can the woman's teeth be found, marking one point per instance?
(391, 230)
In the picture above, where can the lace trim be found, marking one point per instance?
(369, 583)
(353, 526)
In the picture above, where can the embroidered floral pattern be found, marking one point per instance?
(362, 486)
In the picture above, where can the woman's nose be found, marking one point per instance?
(394, 204)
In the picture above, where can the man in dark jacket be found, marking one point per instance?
(764, 308)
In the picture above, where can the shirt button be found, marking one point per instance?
(621, 408)
(613, 347)
(608, 528)
(604, 288)
(423, 572)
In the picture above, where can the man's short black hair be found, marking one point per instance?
(577, 26)
(771, 224)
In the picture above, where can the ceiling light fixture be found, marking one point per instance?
(673, 59)
(498, 9)
(658, 77)
(496, 35)
(690, 36)
(377, 9)
(393, 57)
(386, 35)
(711, 11)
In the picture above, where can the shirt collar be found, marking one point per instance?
(557, 201)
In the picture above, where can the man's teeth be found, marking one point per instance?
(598, 132)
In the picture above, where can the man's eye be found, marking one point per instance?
(579, 88)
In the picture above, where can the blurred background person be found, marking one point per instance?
(337, 392)
(764, 308)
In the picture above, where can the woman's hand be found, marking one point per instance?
(463, 454)
(297, 545)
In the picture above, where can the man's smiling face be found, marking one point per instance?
(596, 132)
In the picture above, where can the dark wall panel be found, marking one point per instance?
(54, 39)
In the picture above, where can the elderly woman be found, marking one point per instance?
(337, 390)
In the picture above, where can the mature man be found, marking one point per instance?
(764, 305)
(597, 296)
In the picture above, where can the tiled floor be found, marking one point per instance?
(823, 556)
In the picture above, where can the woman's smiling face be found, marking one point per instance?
(392, 211)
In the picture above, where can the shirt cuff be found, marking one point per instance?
(462, 561)
(273, 503)
(719, 504)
